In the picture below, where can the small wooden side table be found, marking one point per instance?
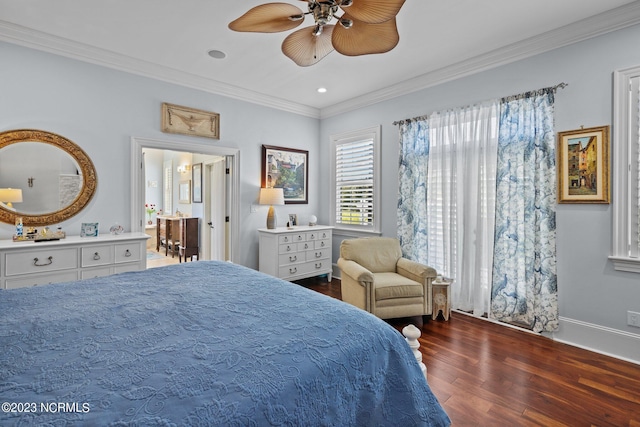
(441, 298)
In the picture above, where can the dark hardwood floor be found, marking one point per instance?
(485, 374)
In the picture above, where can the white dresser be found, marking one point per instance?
(73, 258)
(292, 254)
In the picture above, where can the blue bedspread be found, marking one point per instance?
(201, 344)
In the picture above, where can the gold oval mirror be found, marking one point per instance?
(56, 177)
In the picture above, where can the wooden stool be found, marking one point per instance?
(441, 297)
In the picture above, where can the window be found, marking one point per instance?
(355, 180)
(626, 170)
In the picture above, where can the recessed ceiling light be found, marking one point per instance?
(217, 54)
(322, 89)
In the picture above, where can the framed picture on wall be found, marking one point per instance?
(196, 180)
(286, 168)
(583, 165)
(190, 121)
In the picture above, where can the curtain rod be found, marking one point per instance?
(554, 89)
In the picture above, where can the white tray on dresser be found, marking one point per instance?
(296, 253)
(31, 263)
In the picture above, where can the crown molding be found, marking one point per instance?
(615, 19)
(19, 35)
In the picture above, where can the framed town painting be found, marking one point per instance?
(286, 168)
(583, 165)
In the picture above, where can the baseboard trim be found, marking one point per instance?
(599, 339)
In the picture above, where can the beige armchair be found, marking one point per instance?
(377, 279)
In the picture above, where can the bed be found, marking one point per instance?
(203, 343)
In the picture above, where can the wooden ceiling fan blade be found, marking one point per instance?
(305, 49)
(365, 39)
(374, 11)
(268, 18)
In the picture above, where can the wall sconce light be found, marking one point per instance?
(10, 196)
(184, 168)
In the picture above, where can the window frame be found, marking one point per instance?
(371, 133)
(625, 251)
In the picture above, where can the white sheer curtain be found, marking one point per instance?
(463, 146)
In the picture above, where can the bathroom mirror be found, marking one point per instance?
(56, 177)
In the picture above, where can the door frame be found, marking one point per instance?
(209, 201)
(138, 181)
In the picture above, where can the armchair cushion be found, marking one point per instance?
(377, 254)
(392, 285)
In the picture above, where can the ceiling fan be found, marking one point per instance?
(363, 27)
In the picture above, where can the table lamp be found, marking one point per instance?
(271, 196)
(10, 196)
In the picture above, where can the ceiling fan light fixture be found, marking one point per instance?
(322, 12)
(322, 90)
(346, 23)
(364, 27)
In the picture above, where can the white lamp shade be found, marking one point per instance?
(271, 196)
(10, 195)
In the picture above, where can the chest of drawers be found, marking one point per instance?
(73, 258)
(296, 254)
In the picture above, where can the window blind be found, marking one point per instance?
(354, 183)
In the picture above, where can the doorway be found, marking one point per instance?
(217, 162)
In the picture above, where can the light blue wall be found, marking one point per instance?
(100, 109)
(589, 289)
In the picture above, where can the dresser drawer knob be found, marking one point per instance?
(318, 265)
(96, 256)
(127, 253)
(286, 239)
(35, 262)
(319, 254)
(293, 258)
(293, 270)
(288, 248)
(322, 244)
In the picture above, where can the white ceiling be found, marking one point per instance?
(169, 40)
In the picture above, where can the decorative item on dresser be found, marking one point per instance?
(296, 254)
(73, 258)
(271, 196)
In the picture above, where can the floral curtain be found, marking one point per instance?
(412, 197)
(503, 262)
(524, 268)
